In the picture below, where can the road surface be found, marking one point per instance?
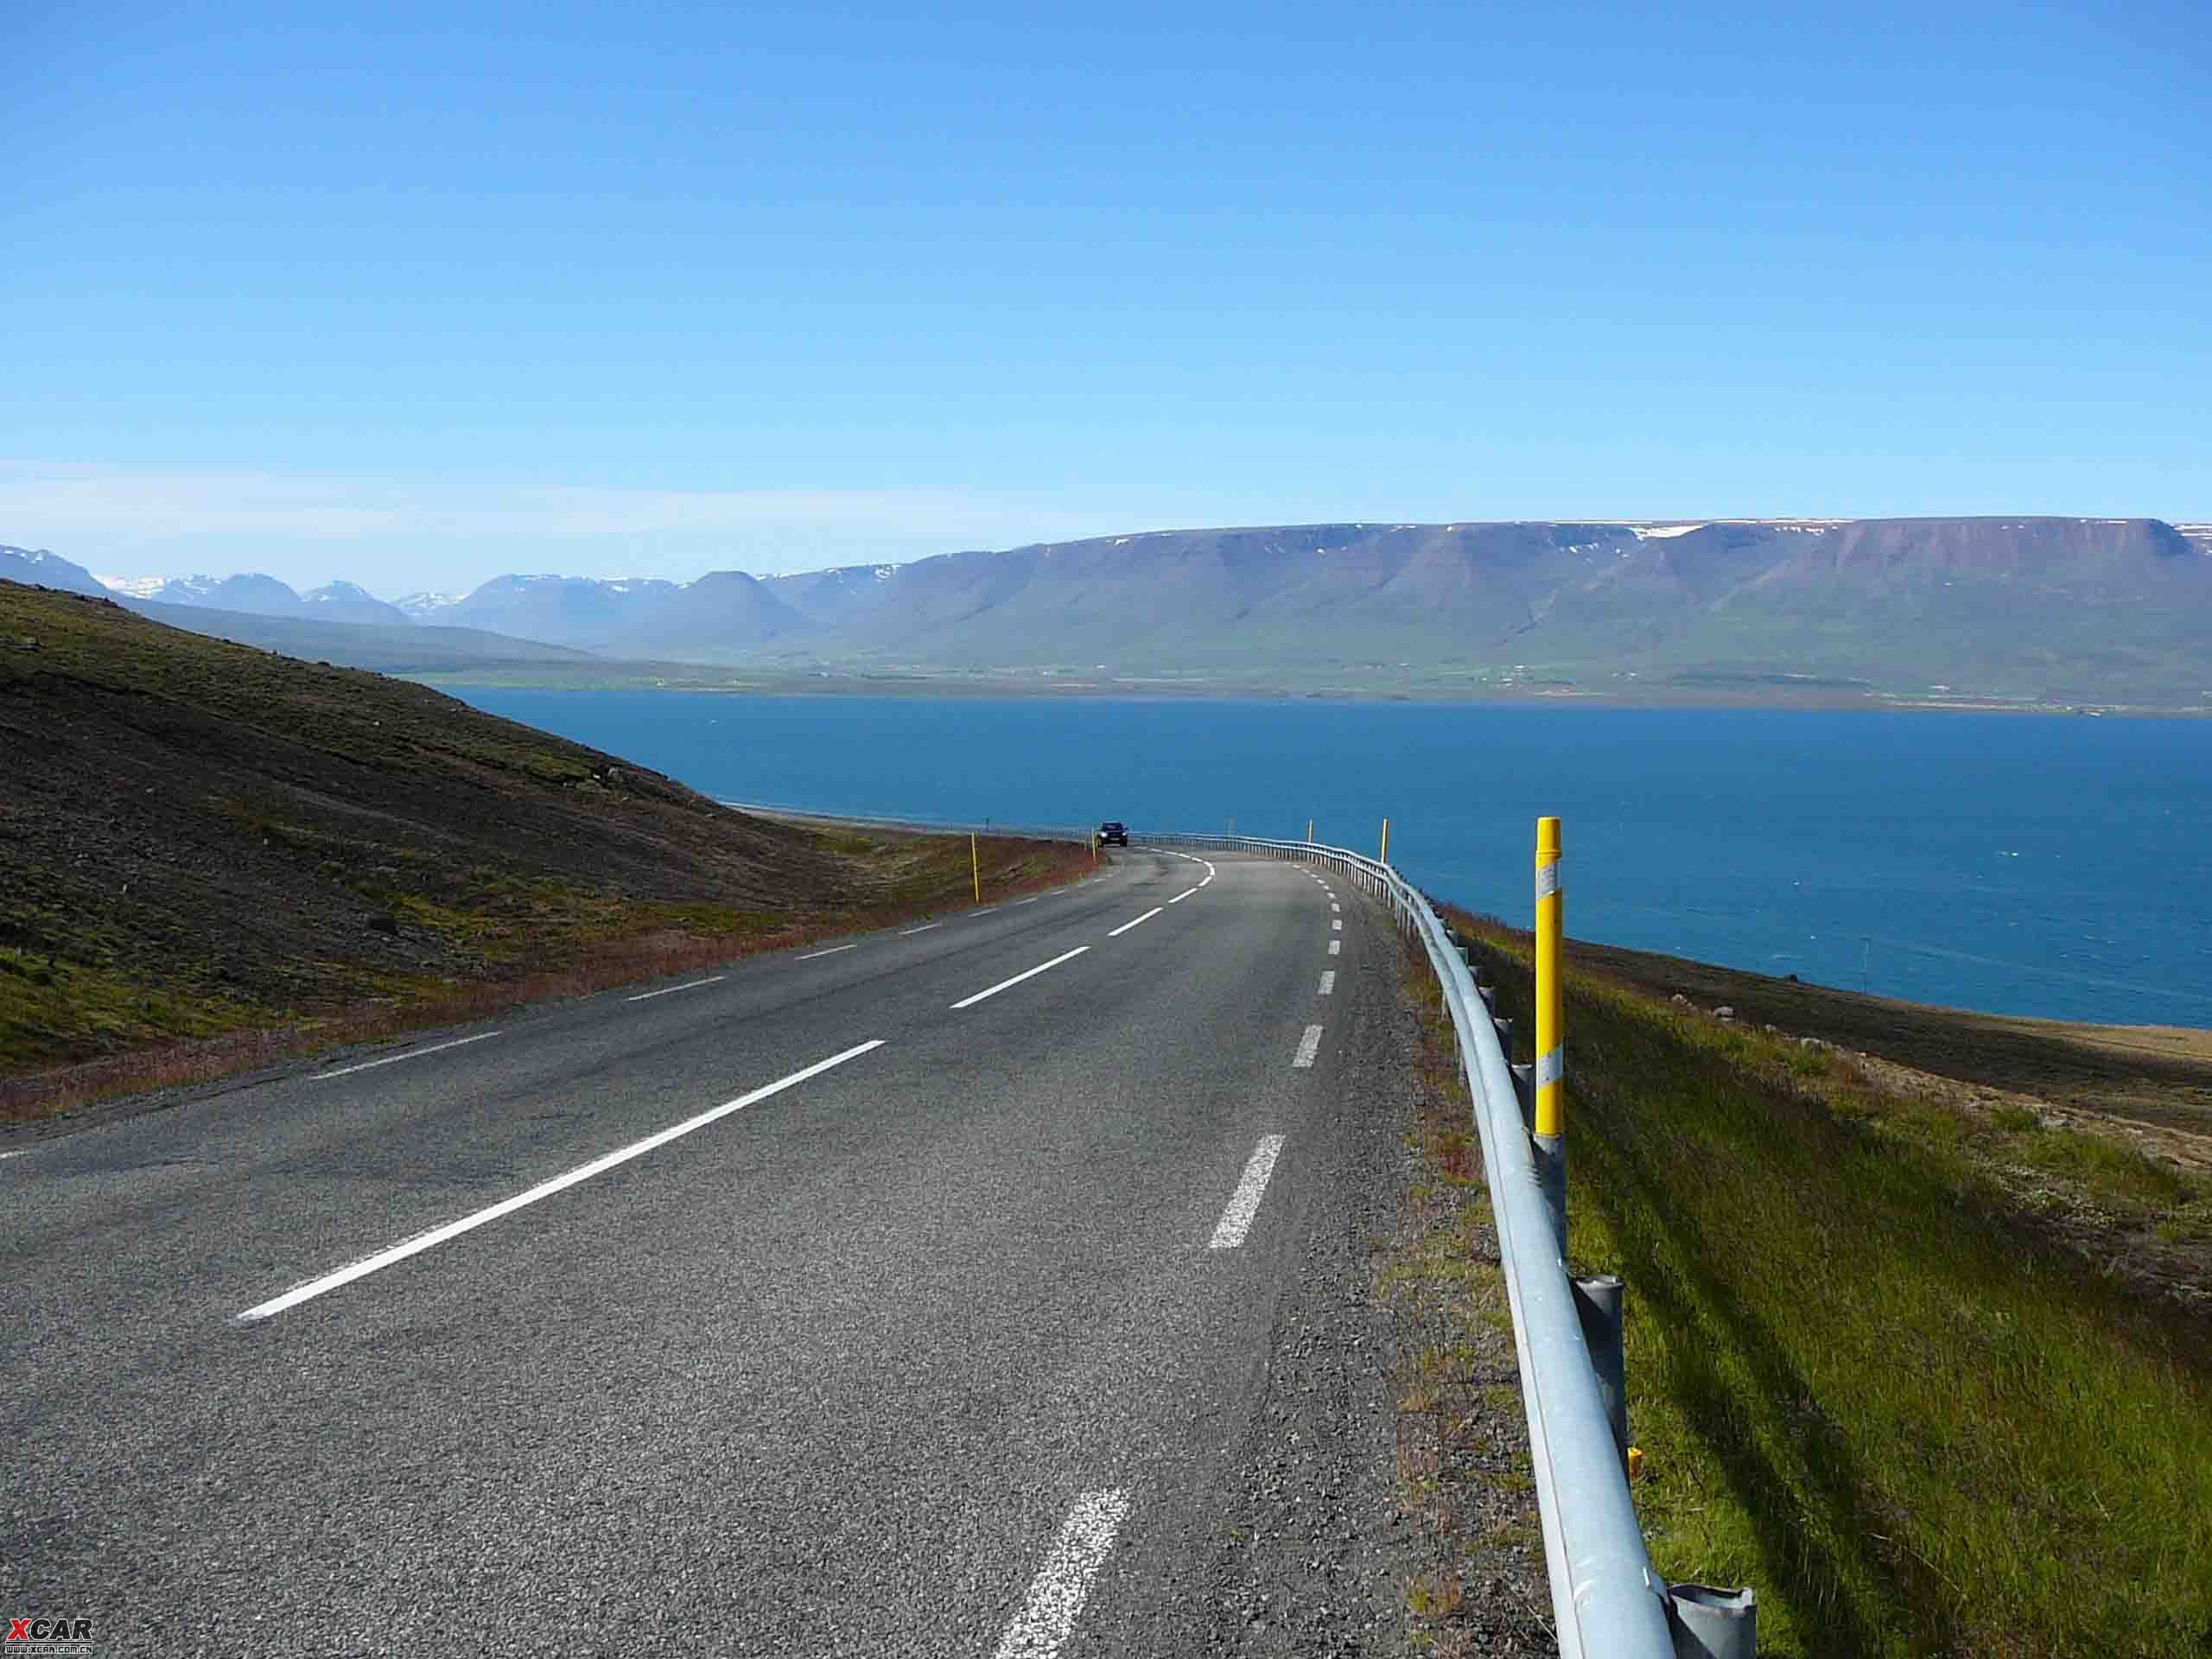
(913, 1295)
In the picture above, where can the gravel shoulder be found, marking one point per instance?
(1379, 1500)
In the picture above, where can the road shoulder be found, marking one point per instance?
(1378, 1499)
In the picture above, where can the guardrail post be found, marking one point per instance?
(1709, 1624)
(1551, 1069)
(1597, 1304)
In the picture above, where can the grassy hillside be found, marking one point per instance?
(1892, 1353)
(200, 841)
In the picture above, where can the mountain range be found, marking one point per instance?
(2082, 609)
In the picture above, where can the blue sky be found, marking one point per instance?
(418, 295)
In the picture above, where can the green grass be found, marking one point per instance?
(1864, 1383)
(54, 1008)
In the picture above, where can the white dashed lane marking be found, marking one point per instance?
(1336, 947)
(1308, 1046)
(394, 1059)
(1117, 932)
(647, 997)
(1244, 1203)
(1328, 981)
(438, 1235)
(1058, 1593)
(1008, 984)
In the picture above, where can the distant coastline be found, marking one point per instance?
(1750, 692)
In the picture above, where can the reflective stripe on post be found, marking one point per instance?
(1551, 903)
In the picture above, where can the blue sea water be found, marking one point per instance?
(2040, 865)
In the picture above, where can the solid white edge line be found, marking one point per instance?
(438, 1235)
(1244, 1203)
(394, 1059)
(1181, 896)
(1031, 899)
(831, 951)
(910, 933)
(647, 997)
(1117, 932)
(1005, 984)
(985, 911)
(17, 1152)
(1308, 1046)
(1062, 1584)
(1328, 982)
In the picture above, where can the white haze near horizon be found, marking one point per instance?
(396, 536)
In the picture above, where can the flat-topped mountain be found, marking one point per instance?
(2027, 607)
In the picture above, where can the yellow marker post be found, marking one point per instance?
(1551, 928)
(1385, 859)
(1551, 1069)
(976, 866)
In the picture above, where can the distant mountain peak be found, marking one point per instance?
(37, 567)
(331, 592)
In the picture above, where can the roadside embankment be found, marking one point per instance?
(212, 856)
(1893, 1356)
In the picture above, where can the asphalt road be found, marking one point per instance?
(575, 1332)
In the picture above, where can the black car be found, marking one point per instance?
(1112, 834)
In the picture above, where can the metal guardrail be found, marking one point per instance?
(1607, 1601)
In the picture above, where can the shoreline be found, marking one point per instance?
(708, 679)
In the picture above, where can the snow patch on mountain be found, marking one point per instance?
(132, 587)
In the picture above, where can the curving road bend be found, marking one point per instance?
(911, 1295)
